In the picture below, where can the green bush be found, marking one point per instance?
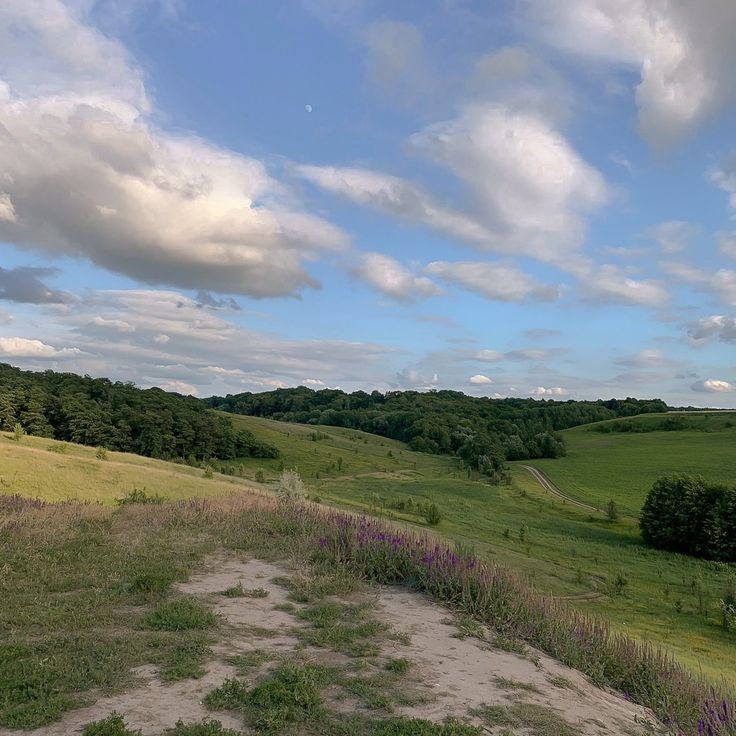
(683, 513)
(432, 515)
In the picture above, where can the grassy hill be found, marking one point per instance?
(601, 567)
(57, 471)
(603, 465)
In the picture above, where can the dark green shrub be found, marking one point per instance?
(432, 515)
(683, 513)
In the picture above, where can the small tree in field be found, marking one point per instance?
(291, 486)
(432, 515)
(612, 511)
(18, 432)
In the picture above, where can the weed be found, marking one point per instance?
(205, 728)
(246, 661)
(139, 495)
(113, 725)
(419, 727)
(101, 453)
(179, 615)
(538, 720)
(506, 683)
(400, 666)
(561, 682)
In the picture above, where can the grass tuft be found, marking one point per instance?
(181, 614)
(113, 725)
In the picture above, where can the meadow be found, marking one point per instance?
(600, 466)
(597, 565)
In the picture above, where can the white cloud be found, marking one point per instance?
(528, 189)
(727, 244)
(180, 387)
(7, 210)
(112, 324)
(713, 385)
(489, 356)
(542, 391)
(721, 284)
(717, 326)
(609, 284)
(22, 347)
(646, 358)
(390, 278)
(87, 173)
(672, 236)
(724, 176)
(683, 50)
(496, 281)
(479, 379)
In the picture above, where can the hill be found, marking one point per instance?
(621, 459)
(598, 566)
(41, 468)
(483, 432)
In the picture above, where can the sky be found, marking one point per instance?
(506, 198)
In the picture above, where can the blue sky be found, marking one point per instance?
(513, 198)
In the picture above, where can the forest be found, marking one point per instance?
(120, 416)
(483, 432)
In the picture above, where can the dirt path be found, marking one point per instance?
(550, 487)
(453, 675)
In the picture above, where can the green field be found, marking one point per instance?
(659, 597)
(622, 466)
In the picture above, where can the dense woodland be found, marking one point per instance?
(119, 416)
(483, 432)
(684, 513)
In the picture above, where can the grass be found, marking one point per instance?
(667, 599)
(622, 466)
(537, 720)
(73, 549)
(35, 468)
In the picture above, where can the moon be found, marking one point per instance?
(308, 108)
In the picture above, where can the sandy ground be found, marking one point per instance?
(457, 674)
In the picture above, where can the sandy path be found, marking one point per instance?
(458, 674)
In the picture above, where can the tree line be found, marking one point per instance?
(120, 416)
(484, 432)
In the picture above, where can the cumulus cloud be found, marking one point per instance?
(22, 347)
(610, 284)
(683, 50)
(542, 391)
(716, 327)
(527, 187)
(23, 284)
(495, 281)
(479, 379)
(87, 173)
(713, 386)
(179, 387)
(388, 276)
(672, 236)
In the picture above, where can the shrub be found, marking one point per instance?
(139, 495)
(291, 486)
(683, 513)
(101, 453)
(432, 515)
(259, 476)
(179, 615)
(208, 472)
(18, 432)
